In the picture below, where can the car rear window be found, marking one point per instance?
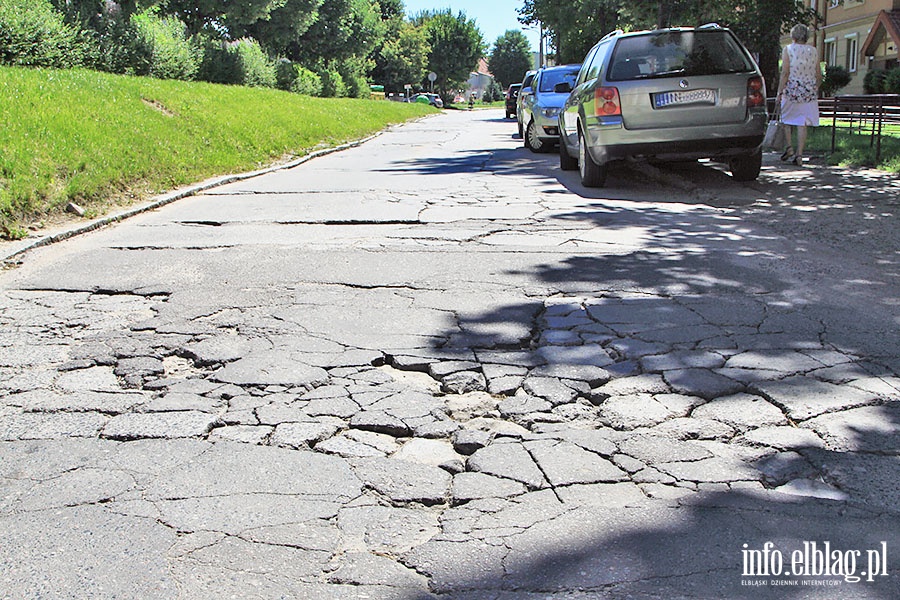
(550, 78)
(678, 53)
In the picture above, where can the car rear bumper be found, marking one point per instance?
(614, 142)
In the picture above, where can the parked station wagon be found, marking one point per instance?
(671, 94)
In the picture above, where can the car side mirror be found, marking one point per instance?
(563, 88)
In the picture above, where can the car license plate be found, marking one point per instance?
(680, 98)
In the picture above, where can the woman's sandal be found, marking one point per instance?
(797, 161)
(788, 155)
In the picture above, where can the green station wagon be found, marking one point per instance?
(671, 94)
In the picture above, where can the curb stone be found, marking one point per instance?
(7, 256)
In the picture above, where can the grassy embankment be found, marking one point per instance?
(98, 139)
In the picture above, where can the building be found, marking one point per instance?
(480, 79)
(858, 35)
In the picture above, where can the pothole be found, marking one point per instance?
(176, 367)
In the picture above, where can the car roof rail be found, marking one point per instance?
(710, 26)
(612, 34)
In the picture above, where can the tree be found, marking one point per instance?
(510, 58)
(456, 46)
(403, 58)
(392, 9)
(282, 31)
(344, 29)
(573, 26)
(226, 18)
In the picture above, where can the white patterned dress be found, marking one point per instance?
(799, 103)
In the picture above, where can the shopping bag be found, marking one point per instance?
(776, 135)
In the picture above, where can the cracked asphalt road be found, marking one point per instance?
(434, 366)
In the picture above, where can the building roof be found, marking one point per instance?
(886, 23)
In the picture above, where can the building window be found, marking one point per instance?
(834, 3)
(830, 52)
(852, 53)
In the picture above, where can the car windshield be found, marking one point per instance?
(683, 53)
(549, 79)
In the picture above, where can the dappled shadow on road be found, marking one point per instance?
(754, 302)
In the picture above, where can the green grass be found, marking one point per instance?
(89, 137)
(854, 148)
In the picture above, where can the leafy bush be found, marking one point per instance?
(873, 82)
(333, 85)
(835, 78)
(217, 64)
(285, 73)
(357, 86)
(242, 62)
(256, 68)
(162, 48)
(292, 77)
(892, 81)
(33, 34)
(307, 83)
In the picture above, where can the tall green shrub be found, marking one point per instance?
(33, 34)
(162, 47)
(333, 85)
(257, 69)
(307, 83)
(242, 62)
(892, 81)
(873, 82)
(836, 77)
(217, 64)
(292, 77)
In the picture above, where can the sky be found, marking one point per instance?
(493, 17)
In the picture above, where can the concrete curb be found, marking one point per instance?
(8, 254)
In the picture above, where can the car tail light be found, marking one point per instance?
(606, 102)
(756, 92)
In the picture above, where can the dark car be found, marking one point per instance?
(512, 94)
(674, 94)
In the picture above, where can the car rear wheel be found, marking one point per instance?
(566, 162)
(533, 142)
(592, 174)
(746, 167)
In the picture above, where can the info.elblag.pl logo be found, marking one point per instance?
(814, 560)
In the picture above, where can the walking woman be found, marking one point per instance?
(798, 90)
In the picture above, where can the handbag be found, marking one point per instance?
(776, 134)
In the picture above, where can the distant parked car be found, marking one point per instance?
(512, 94)
(671, 94)
(541, 108)
(432, 99)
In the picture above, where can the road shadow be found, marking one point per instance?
(795, 334)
